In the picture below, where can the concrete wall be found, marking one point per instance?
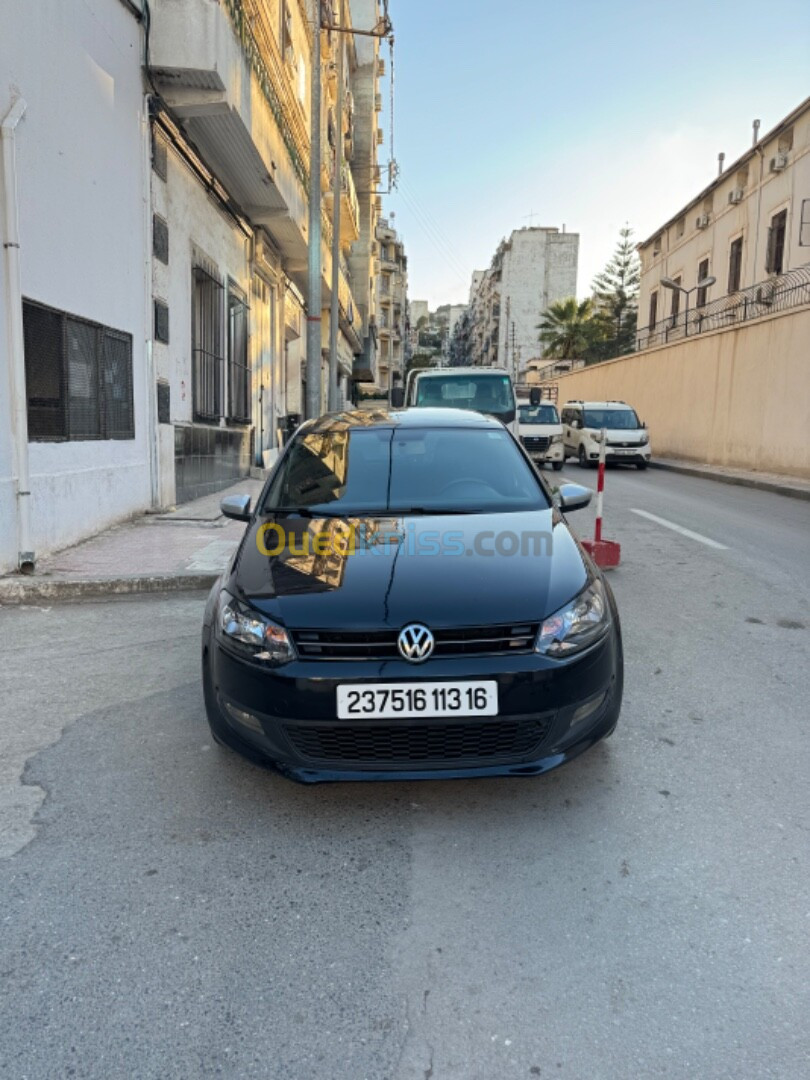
(736, 397)
(82, 152)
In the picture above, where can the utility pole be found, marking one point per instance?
(337, 189)
(313, 402)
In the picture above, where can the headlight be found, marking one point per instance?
(556, 438)
(249, 633)
(579, 624)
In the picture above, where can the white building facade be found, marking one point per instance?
(534, 268)
(749, 229)
(78, 161)
(152, 305)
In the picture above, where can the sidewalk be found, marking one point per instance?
(792, 486)
(186, 548)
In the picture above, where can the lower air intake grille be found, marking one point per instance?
(427, 744)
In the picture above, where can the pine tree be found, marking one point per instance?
(615, 298)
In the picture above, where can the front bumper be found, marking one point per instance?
(292, 721)
(629, 457)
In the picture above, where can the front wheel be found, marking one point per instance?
(583, 458)
(641, 465)
(557, 466)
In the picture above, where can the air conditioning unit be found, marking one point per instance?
(380, 136)
(735, 196)
(380, 68)
(778, 163)
(702, 221)
(378, 102)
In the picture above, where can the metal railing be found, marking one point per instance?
(778, 293)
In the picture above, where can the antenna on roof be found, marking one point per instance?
(756, 133)
(721, 157)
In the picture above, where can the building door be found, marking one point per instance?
(263, 365)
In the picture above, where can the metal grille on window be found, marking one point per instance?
(84, 406)
(43, 334)
(161, 322)
(117, 365)
(238, 360)
(207, 345)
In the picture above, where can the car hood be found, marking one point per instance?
(441, 570)
(634, 436)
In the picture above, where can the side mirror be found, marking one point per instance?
(576, 424)
(236, 507)
(574, 497)
(397, 397)
(534, 395)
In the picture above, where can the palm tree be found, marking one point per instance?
(567, 329)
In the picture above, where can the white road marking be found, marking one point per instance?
(679, 529)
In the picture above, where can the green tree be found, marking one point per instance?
(615, 301)
(567, 329)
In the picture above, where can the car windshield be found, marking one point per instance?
(428, 470)
(483, 393)
(539, 414)
(618, 419)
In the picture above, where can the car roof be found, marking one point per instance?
(429, 372)
(598, 404)
(402, 418)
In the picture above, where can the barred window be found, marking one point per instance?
(206, 315)
(78, 377)
(238, 358)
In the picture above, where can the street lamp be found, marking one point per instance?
(704, 283)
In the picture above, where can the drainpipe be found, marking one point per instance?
(16, 348)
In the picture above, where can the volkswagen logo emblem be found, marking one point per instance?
(415, 643)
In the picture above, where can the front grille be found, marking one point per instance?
(627, 445)
(382, 644)
(434, 744)
(536, 444)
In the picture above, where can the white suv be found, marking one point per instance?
(626, 436)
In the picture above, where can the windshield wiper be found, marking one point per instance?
(304, 512)
(437, 511)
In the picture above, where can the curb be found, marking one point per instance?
(22, 590)
(739, 480)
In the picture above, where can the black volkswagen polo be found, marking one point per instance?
(407, 601)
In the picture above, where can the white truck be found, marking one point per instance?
(486, 390)
(540, 431)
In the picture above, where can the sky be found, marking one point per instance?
(583, 113)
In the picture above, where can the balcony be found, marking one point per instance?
(225, 80)
(349, 208)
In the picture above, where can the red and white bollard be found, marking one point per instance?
(605, 553)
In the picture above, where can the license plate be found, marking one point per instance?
(389, 701)
(630, 451)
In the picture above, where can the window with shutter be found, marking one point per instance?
(78, 377)
(804, 228)
(735, 265)
(775, 252)
(703, 272)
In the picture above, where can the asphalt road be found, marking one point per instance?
(168, 910)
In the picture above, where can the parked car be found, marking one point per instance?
(541, 433)
(627, 438)
(487, 390)
(390, 613)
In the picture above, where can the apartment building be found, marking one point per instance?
(392, 305)
(749, 229)
(531, 270)
(163, 247)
